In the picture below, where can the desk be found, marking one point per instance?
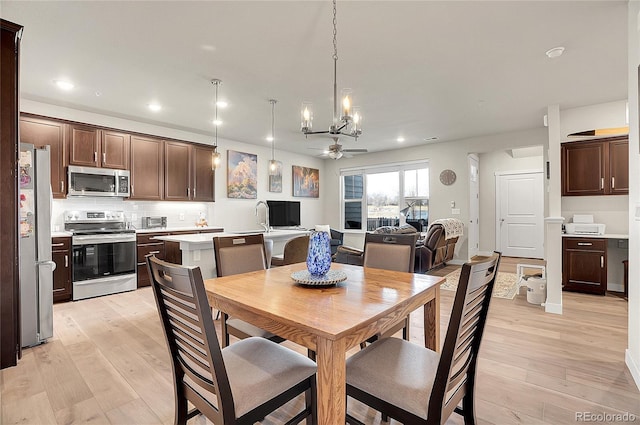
(329, 320)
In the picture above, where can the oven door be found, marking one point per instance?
(102, 256)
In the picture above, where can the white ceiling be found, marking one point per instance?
(418, 69)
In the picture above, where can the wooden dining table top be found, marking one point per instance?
(331, 312)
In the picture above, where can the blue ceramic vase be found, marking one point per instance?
(319, 256)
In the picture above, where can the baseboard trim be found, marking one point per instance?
(553, 308)
(633, 367)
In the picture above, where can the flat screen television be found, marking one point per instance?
(284, 213)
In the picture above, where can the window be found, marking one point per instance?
(377, 196)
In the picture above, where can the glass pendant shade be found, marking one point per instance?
(306, 113)
(347, 98)
(215, 158)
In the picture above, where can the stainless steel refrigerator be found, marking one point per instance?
(36, 266)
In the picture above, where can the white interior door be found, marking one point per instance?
(474, 206)
(519, 214)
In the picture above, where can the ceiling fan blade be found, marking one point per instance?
(355, 150)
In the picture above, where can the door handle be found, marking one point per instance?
(62, 186)
(613, 182)
(66, 261)
(602, 183)
(602, 261)
(95, 156)
(584, 244)
(104, 157)
(47, 263)
(57, 244)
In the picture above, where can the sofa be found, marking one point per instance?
(432, 252)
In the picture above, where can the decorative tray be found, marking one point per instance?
(332, 277)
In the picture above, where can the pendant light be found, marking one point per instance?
(273, 164)
(215, 156)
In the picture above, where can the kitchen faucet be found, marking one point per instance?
(266, 226)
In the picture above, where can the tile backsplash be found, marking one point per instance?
(135, 210)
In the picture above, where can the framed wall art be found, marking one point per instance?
(306, 182)
(275, 180)
(242, 175)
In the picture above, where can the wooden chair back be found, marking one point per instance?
(196, 358)
(239, 254)
(295, 250)
(390, 252)
(455, 377)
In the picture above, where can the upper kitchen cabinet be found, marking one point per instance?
(42, 132)
(147, 168)
(91, 147)
(84, 145)
(177, 167)
(203, 175)
(188, 172)
(598, 167)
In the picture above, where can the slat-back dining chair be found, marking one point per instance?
(235, 255)
(295, 251)
(391, 252)
(418, 385)
(240, 384)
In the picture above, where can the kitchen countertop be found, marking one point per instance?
(62, 234)
(605, 236)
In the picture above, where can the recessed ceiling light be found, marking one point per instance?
(155, 107)
(555, 52)
(98, 93)
(400, 139)
(64, 85)
(222, 104)
(217, 122)
(269, 138)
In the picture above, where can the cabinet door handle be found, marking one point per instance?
(104, 157)
(132, 191)
(584, 244)
(62, 186)
(66, 261)
(613, 182)
(602, 183)
(57, 244)
(95, 157)
(194, 192)
(188, 191)
(602, 261)
(154, 252)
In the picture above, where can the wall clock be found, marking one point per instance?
(447, 177)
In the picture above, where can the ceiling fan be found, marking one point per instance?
(335, 150)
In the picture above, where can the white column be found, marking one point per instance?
(553, 223)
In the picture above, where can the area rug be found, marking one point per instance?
(506, 285)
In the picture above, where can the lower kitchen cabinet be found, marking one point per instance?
(147, 245)
(61, 255)
(584, 265)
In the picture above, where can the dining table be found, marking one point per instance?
(329, 318)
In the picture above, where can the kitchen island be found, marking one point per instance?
(197, 249)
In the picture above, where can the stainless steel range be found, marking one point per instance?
(103, 252)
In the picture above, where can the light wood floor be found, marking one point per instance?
(107, 364)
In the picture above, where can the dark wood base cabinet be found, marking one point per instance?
(61, 255)
(147, 245)
(584, 265)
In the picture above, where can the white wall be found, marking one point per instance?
(441, 156)
(603, 115)
(491, 163)
(232, 214)
(633, 351)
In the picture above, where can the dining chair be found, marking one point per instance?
(391, 252)
(235, 255)
(295, 251)
(421, 386)
(240, 384)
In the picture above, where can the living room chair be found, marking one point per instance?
(391, 252)
(418, 385)
(235, 255)
(295, 251)
(240, 384)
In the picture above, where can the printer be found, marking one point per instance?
(583, 225)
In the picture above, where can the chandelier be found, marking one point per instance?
(273, 164)
(348, 122)
(215, 156)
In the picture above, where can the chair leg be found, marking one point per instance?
(468, 409)
(311, 401)
(223, 330)
(182, 412)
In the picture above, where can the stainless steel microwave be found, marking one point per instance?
(89, 181)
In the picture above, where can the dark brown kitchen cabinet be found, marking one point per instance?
(584, 265)
(43, 132)
(84, 145)
(114, 149)
(147, 168)
(598, 167)
(203, 185)
(146, 244)
(61, 255)
(177, 168)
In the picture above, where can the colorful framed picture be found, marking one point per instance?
(275, 180)
(242, 175)
(306, 182)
